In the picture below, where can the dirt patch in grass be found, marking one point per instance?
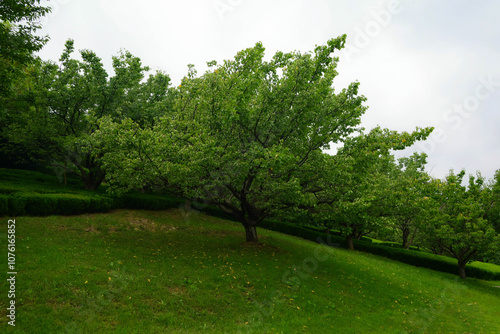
(260, 245)
(177, 290)
(220, 234)
(91, 229)
(133, 222)
(144, 224)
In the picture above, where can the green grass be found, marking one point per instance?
(164, 272)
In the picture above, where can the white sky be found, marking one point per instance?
(420, 63)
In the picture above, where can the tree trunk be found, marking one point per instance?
(91, 184)
(406, 234)
(350, 242)
(64, 173)
(412, 239)
(251, 233)
(92, 180)
(461, 270)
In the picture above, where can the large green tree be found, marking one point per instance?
(247, 136)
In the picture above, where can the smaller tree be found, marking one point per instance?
(458, 226)
(491, 201)
(353, 192)
(406, 198)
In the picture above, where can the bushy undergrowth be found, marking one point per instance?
(146, 201)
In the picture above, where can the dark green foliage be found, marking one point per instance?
(39, 204)
(69, 204)
(38, 194)
(36, 204)
(4, 204)
(16, 206)
(302, 232)
(146, 202)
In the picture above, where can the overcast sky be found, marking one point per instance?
(420, 63)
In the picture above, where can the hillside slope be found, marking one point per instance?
(170, 272)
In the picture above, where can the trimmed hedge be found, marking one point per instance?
(35, 204)
(4, 205)
(40, 204)
(416, 258)
(146, 202)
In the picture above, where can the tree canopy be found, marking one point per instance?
(18, 23)
(244, 136)
(248, 135)
(64, 101)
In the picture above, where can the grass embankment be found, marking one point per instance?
(162, 272)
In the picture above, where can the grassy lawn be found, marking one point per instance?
(164, 272)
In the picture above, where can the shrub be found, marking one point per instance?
(35, 204)
(416, 258)
(146, 201)
(69, 204)
(39, 204)
(17, 205)
(302, 232)
(30, 203)
(100, 204)
(4, 205)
